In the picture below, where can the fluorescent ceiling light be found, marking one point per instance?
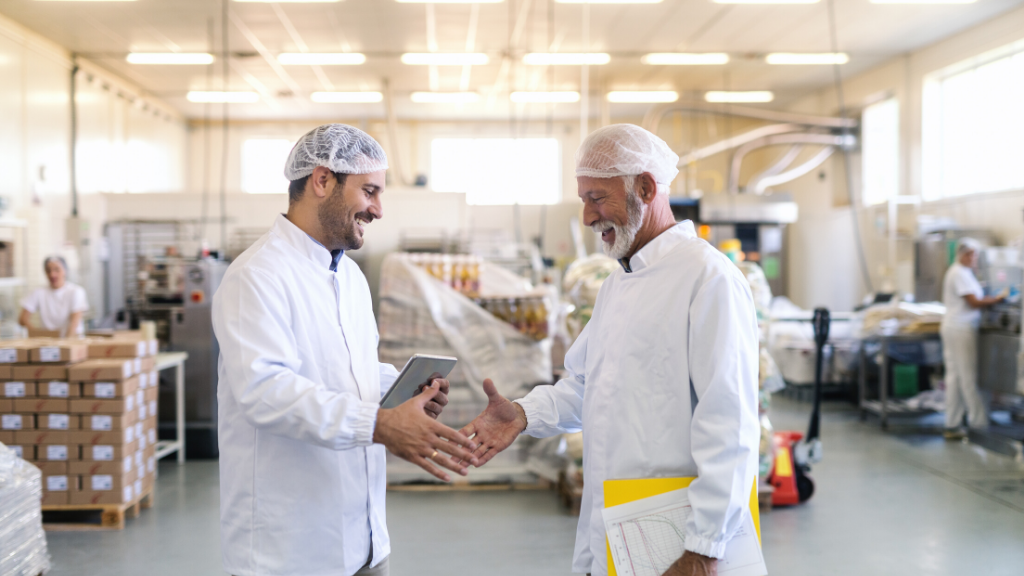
(221, 97)
(170, 58)
(445, 97)
(737, 97)
(609, 1)
(567, 59)
(449, 1)
(923, 1)
(444, 58)
(643, 97)
(766, 1)
(85, 0)
(346, 97)
(685, 59)
(290, 1)
(826, 58)
(321, 59)
(544, 97)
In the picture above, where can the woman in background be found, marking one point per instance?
(61, 305)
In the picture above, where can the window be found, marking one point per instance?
(880, 146)
(498, 170)
(973, 122)
(263, 162)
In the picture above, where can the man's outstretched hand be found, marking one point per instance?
(409, 433)
(496, 427)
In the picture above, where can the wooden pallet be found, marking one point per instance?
(465, 486)
(80, 517)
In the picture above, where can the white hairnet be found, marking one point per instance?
(337, 147)
(966, 245)
(626, 150)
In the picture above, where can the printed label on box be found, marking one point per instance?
(127, 493)
(57, 483)
(152, 407)
(49, 354)
(127, 464)
(138, 364)
(14, 389)
(11, 422)
(8, 355)
(19, 451)
(103, 453)
(129, 403)
(138, 487)
(151, 464)
(154, 347)
(129, 434)
(140, 461)
(139, 430)
(142, 411)
(56, 452)
(140, 397)
(151, 435)
(142, 441)
(102, 482)
(102, 422)
(58, 421)
(143, 381)
(106, 390)
(59, 389)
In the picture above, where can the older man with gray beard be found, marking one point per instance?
(663, 380)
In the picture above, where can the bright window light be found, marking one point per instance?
(170, 58)
(567, 59)
(241, 97)
(321, 59)
(444, 59)
(263, 161)
(972, 126)
(346, 97)
(643, 97)
(739, 97)
(444, 97)
(685, 59)
(788, 58)
(544, 97)
(880, 151)
(498, 171)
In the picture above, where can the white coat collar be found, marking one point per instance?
(301, 241)
(656, 249)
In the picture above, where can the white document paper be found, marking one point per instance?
(646, 536)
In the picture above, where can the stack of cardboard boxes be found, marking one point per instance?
(84, 412)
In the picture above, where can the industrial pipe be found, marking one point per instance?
(800, 138)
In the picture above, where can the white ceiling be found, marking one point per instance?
(383, 29)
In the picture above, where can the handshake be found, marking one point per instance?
(411, 431)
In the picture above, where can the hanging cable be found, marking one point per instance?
(205, 205)
(224, 137)
(837, 74)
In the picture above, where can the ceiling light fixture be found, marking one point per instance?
(566, 59)
(242, 97)
(685, 59)
(766, 1)
(449, 1)
(346, 97)
(739, 97)
(85, 0)
(445, 97)
(783, 58)
(169, 58)
(321, 59)
(923, 1)
(609, 1)
(643, 96)
(290, 1)
(444, 58)
(544, 97)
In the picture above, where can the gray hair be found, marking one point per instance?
(58, 259)
(966, 245)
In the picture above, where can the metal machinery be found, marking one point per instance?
(934, 252)
(147, 279)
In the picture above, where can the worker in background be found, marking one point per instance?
(663, 379)
(301, 433)
(60, 306)
(964, 299)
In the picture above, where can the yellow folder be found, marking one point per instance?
(622, 491)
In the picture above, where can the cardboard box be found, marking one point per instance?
(117, 348)
(6, 436)
(108, 390)
(64, 351)
(150, 466)
(41, 405)
(24, 451)
(42, 437)
(106, 370)
(6, 405)
(56, 498)
(147, 364)
(58, 389)
(93, 406)
(140, 463)
(55, 452)
(89, 497)
(107, 452)
(52, 468)
(45, 372)
(15, 351)
(18, 389)
(14, 422)
(5, 372)
(57, 422)
(94, 437)
(106, 422)
(122, 466)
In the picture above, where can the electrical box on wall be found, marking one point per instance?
(76, 238)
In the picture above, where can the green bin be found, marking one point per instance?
(905, 382)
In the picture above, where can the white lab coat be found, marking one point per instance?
(959, 332)
(663, 383)
(302, 483)
(55, 307)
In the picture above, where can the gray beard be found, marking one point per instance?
(625, 234)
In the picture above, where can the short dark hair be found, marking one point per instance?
(297, 187)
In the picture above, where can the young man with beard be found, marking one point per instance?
(301, 433)
(663, 379)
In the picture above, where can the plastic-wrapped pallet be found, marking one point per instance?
(22, 541)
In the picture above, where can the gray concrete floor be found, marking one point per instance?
(886, 504)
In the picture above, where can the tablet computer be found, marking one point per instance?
(419, 370)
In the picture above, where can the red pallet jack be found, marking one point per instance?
(794, 453)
